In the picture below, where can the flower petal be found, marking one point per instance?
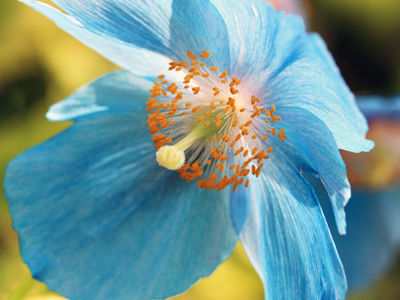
(287, 239)
(111, 92)
(311, 147)
(137, 60)
(377, 107)
(99, 219)
(371, 244)
(283, 65)
(167, 27)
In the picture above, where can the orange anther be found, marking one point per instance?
(196, 90)
(245, 153)
(254, 136)
(254, 150)
(195, 109)
(158, 137)
(200, 119)
(171, 123)
(265, 138)
(154, 130)
(168, 140)
(205, 54)
(218, 123)
(246, 183)
(245, 132)
(191, 55)
(273, 131)
(248, 123)
(270, 149)
(207, 123)
(161, 77)
(213, 68)
(208, 162)
(188, 104)
(235, 122)
(205, 75)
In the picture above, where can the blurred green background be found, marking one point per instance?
(40, 64)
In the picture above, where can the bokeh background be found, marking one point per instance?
(40, 64)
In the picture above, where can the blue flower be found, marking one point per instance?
(99, 218)
(373, 239)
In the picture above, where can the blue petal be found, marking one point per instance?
(377, 106)
(137, 60)
(312, 148)
(283, 65)
(287, 239)
(370, 247)
(115, 91)
(166, 27)
(99, 219)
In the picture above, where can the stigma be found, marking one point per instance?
(207, 128)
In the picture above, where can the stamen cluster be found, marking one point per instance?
(221, 120)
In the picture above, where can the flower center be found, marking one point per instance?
(221, 131)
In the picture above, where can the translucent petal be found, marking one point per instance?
(115, 91)
(283, 65)
(98, 218)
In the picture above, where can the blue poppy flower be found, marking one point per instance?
(369, 249)
(249, 96)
